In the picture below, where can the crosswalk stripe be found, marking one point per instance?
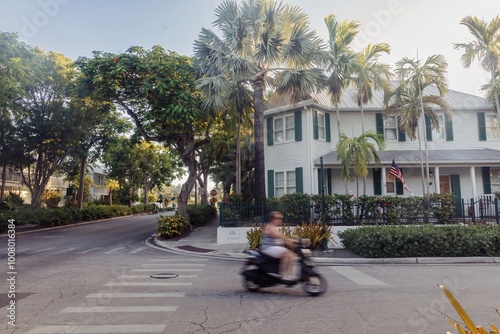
(65, 250)
(148, 276)
(22, 250)
(135, 251)
(356, 276)
(116, 309)
(89, 250)
(170, 269)
(99, 329)
(173, 264)
(177, 260)
(149, 284)
(42, 250)
(136, 295)
(113, 250)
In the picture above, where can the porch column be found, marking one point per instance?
(437, 186)
(384, 181)
(473, 181)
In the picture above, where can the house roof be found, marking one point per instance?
(456, 100)
(466, 157)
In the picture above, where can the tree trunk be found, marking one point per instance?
(260, 180)
(81, 182)
(238, 154)
(338, 124)
(146, 190)
(110, 196)
(4, 178)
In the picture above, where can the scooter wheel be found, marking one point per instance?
(250, 285)
(315, 285)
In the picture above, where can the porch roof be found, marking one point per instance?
(411, 158)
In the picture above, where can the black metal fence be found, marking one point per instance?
(482, 210)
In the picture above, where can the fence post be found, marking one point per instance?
(473, 211)
(496, 211)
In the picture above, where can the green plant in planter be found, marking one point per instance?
(315, 232)
(171, 226)
(471, 327)
(254, 237)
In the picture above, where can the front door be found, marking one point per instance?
(444, 184)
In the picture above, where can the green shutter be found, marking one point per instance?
(315, 125)
(298, 125)
(299, 184)
(428, 128)
(377, 181)
(379, 123)
(327, 127)
(270, 131)
(457, 196)
(399, 185)
(448, 127)
(486, 180)
(270, 183)
(401, 133)
(481, 123)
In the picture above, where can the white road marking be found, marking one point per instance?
(99, 329)
(105, 295)
(149, 284)
(356, 276)
(65, 250)
(160, 265)
(135, 251)
(113, 250)
(42, 250)
(169, 269)
(149, 276)
(116, 309)
(177, 260)
(89, 250)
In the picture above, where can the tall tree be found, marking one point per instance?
(370, 75)
(261, 38)
(157, 90)
(46, 120)
(14, 59)
(357, 153)
(485, 48)
(412, 102)
(339, 58)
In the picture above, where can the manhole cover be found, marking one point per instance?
(164, 276)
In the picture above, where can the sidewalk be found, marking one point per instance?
(203, 242)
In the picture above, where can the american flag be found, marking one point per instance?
(396, 172)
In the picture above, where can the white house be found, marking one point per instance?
(464, 156)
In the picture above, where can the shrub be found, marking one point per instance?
(423, 241)
(13, 201)
(171, 226)
(51, 198)
(201, 214)
(54, 217)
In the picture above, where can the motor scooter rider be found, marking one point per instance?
(273, 244)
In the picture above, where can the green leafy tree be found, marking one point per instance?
(262, 40)
(157, 90)
(370, 75)
(486, 49)
(45, 121)
(357, 153)
(411, 102)
(14, 56)
(339, 58)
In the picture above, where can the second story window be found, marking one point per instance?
(439, 134)
(491, 127)
(390, 128)
(321, 126)
(284, 129)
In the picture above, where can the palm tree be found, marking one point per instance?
(369, 75)
(260, 38)
(339, 58)
(410, 103)
(358, 153)
(485, 47)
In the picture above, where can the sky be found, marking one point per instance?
(412, 28)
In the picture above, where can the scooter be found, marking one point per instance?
(260, 271)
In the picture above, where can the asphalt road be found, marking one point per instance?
(97, 278)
